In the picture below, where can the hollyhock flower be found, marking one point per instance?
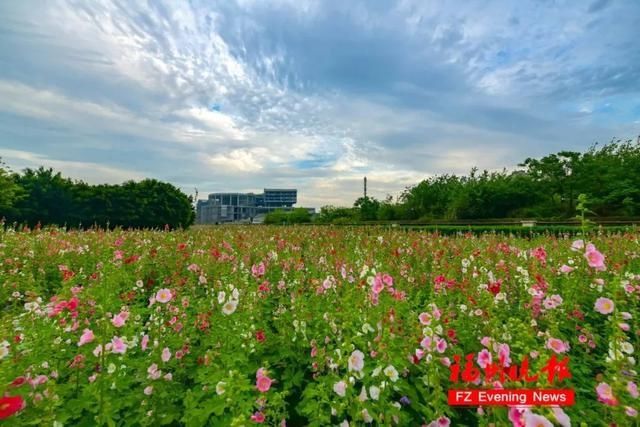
(557, 345)
(374, 392)
(9, 405)
(86, 337)
(260, 337)
(118, 346)
(362, 397)
(119, 319)
(258, 417)
(229, 307)
(148, 390)
(164, 296)
(263, 383)
(561, 416)
(566, 269)
(595, 259)
(258, 270)
(485, 341)
(605, 394)
(340, 388)
(391, 372)
(221, 387)
(503, 355)
(425, 318)
(535, 420)
(577, 245)
(366, 417)
(18, 381)
(632, 412)
(166, 354)
(356, 361)
(153, 372)
(632, 388)
(378, 285)
(604, 305)
(516, 415)
(484, 358)
(441, 345)
(144, 342)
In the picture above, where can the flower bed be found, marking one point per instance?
(311, 326)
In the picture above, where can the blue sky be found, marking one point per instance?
(241, 95)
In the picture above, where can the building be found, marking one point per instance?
(244, 207)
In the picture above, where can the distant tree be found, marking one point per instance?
(9, 191)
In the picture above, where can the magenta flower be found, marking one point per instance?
(484, 358)
(263, 382)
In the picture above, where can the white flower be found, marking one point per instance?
(376, 372)
(221, 297)
(363, 394)
(366, 417)
(626, 347)
(356, 361)
(340, 388)
(229, 307)
(220, 387)
(235, 294)
(374, 392)
(344, 423)
(391, 372)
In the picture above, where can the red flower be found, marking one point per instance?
(18, 381)
(260, 336)
(9, 405)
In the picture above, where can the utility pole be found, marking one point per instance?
(365, 187)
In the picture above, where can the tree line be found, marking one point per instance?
(44, 197)
(545, 188)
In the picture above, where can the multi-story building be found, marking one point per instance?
(238, 207)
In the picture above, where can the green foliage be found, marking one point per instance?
(295, 216)
(543, 188)
(47, 198)
(9, 190)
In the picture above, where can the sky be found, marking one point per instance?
(246, 94)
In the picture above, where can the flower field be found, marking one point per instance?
(313, 326)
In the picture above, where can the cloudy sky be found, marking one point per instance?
(241, 95)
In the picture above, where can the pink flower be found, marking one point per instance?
(605, 394)
(164, 295)
(485, 341)
(426, 343)
(388, 280)
(632, 412)
(86, 337)
(577, 245)
(356, 361)
(153, 372)
(535, 420)
(566, 269)
(378, 285)
(632, 388)
(258, 270)
(441, 345)
(144, 343)
(516, 416)
(263, 382)
(604, 305)
(425, 318)
(118, 346)
(258, 417)
(166, 355)
(557, 345)
(119, 319)
(484, 358)
(148, 390)
(503, 355)
(561, 416)
(595, 259)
